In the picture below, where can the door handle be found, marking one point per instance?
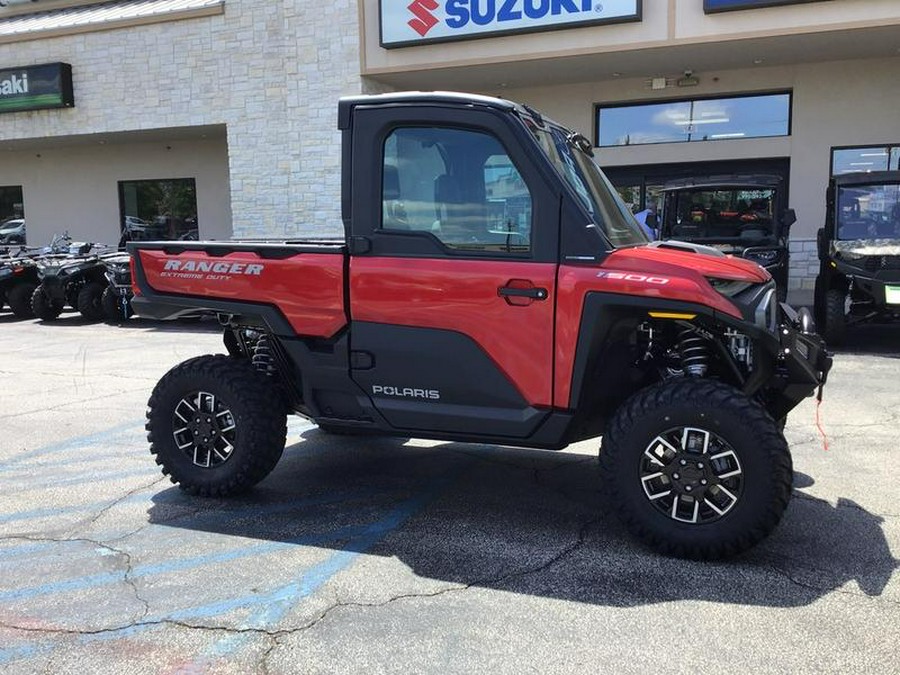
(531, 293)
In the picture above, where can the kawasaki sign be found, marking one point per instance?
(36, 87)
(413, 22)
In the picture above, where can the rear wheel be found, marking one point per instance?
(216, 426)
(834, 324)
(114, 308)
(89, 301)
(43, 306)
(696, 469)
(20, 300)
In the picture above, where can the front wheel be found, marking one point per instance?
(89, 301)
(834, 325)
(696, 469)
(20, 300)
(216, 426)
(45, 307)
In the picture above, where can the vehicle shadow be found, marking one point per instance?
(526, 522)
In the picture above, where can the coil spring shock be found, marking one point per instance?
(694, 353)
(263, 359)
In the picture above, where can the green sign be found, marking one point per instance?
(36, 87)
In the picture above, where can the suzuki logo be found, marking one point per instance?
(424, 20)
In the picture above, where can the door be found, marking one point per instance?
(453, 276)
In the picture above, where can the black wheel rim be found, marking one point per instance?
(691, 475)
(204, 429)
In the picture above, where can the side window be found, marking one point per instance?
(457, 184)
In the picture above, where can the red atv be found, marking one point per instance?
(491, 288)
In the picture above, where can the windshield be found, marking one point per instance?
(739, 215)
(607, 209)
(868, 212)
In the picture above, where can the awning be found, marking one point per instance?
(102, 16)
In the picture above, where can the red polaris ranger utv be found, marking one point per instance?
(491, 288)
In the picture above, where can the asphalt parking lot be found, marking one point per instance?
(390, 556)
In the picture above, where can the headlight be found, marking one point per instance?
(766, 313)
(849, 255)
(728, 287)
(763, 257)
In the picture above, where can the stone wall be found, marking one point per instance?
(272, 72)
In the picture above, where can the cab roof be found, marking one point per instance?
(724, 181)
(347, 103)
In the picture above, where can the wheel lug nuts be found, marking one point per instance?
(683, 462)
(205, 440)
(702, 481)
(675, 476)
(196, 432)
(699, 465)
(687, 488)
(209, 420)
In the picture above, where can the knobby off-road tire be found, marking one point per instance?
(232, 406)
(112, 306)
(733, 463)
(19, 299)
(43, 306)
(89, 301)
(834, 328)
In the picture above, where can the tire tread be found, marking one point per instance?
(708, 394)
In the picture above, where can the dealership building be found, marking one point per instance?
(217, 118)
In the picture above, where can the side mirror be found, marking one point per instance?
(821, 244)
(789, 218)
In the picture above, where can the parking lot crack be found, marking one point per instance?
(457, 588)
(119, 500)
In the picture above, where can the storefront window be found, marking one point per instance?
(695, 120)
(158, 209)
(12, 215)
(865, 159)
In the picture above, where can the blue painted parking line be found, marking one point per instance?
(208, 519)
(92, 581)
(173, 498)
(278, 603)
(273, 606)
(149, 470)
(73, 443)
(295, 426)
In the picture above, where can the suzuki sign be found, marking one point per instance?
(413, 22)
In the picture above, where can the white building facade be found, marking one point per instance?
(233, 104)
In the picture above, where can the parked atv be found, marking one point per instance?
(859, 253)
(18, 279)
(77, 280)
(116, 298)
(19, 273)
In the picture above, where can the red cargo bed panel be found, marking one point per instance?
(308, 288)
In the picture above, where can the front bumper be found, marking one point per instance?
(801, 363)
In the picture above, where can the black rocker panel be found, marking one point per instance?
(437, 380)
